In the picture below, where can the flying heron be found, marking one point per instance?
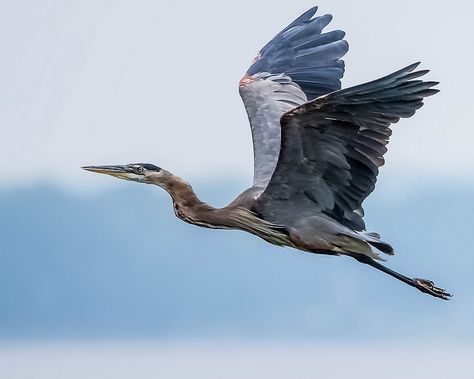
(317, 149)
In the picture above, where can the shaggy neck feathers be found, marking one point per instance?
(189, 208)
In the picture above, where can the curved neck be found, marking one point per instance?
(187, 206)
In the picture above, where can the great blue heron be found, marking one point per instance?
(317, 149)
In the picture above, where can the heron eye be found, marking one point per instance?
(139, 169)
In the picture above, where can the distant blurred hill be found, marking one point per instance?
(120, 264)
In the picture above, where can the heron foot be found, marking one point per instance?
(427, 286)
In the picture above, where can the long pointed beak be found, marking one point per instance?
(117, 171)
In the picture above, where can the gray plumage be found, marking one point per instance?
(332, 147)
(317, 149)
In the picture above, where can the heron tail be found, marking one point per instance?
(374, 240)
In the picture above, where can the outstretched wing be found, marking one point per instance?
(332, 147)
(297, 65)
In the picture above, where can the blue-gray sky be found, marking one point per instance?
(117, 81)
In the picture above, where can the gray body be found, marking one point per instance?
(317, 149)
(305, 229)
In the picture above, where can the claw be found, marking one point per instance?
(427, 286)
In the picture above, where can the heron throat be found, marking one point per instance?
(189, 208)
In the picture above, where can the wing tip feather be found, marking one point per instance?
(412, 67)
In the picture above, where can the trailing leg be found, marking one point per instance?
(423, 285)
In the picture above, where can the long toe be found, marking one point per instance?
(427, 286)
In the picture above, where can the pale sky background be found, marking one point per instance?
(99, 82)
(111, 82)
(236, 361)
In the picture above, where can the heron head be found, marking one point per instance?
(137, 172)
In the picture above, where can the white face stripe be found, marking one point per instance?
(135, 176)
(128, 176)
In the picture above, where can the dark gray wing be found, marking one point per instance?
(332, 147)
(297, 65)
